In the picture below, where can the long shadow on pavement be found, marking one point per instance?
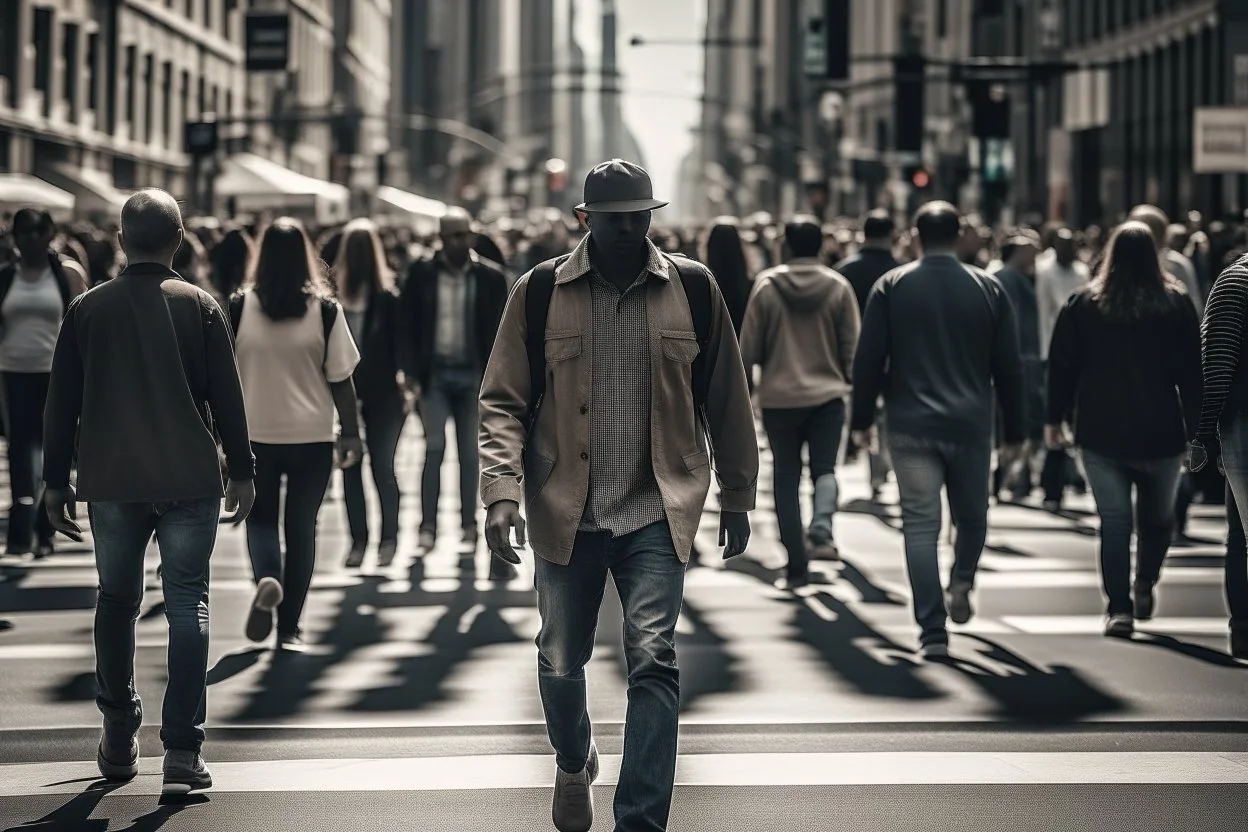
(75, 816)
(1192, 651)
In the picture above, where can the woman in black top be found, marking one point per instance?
(1125, 361)
(725, 257)
(366, 291)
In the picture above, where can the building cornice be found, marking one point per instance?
(1159, 30)
(180, 25)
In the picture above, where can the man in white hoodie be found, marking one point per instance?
(801, 328)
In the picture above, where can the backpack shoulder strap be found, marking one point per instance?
(57, 263)
(536, 306)
(697, 284)
(236, 312)
(329, 314)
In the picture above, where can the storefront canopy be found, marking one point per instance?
(93, 189)
(19, 190)
(415, 205)
(258, 184)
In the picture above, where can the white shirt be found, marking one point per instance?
(30, 320)
(286, 372)
(1055, 284)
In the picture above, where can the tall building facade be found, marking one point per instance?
(362, 91)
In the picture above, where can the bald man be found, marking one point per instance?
(144, 371)
(451, 308)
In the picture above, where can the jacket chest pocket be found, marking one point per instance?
(562, 345)
(679, 346)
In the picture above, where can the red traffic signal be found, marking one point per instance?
(920, 178)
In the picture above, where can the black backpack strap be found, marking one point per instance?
(329, 314)
(236, 313)
(536, 306)
(697, 283)
(57, 263)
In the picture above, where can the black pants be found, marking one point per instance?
(383, 422)
(25, 395)
(1236, 565)
(788, 431)
(307, 469)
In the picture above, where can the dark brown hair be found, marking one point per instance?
(287, 274)
(1131, 283)
(361, 268)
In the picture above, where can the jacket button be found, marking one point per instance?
(584, 409)
(584, 455)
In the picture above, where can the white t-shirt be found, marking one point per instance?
(285, 385)
(30, 319)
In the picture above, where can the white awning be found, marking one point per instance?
(18, 190)
(257, 184)
(410, 203)
(93, 188)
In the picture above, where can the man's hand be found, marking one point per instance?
(350, 451)
(866, 440)
(240, 496)
(734, 532)
(1009, 455)
(1056, 438)
(500, 519)
(62, 508)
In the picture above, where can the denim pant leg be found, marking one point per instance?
(827, 426)
(968, 471)
(1111, 488)
(919, 467)
(465, 411)
(1236, 564)
(568, 600)
(651, 581)
(121, 532)
(786, 434)
(186, 533)
(1156, 487)
(435, 411)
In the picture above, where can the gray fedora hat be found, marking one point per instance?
(618, 187)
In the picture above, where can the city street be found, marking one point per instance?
(799, 713)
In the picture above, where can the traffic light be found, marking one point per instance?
(827, 40)
(918, 176)
(990, 108)
(908, 102)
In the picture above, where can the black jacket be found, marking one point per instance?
(419, 313)
(864, 269)
(379, 350)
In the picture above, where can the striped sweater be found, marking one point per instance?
(1222, 341)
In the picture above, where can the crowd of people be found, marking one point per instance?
(592, 381)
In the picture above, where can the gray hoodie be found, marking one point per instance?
(801, 327)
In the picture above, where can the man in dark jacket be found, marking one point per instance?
(451, 307)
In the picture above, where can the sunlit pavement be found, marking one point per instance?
(807, 712)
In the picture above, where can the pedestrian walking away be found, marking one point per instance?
(801, 328)
(615, 377)
(1124, 369)
(34, 295)
(946, 335)
(144, 370)
(1018, 277)
(451, 308)
(295, 358)
(370, 304)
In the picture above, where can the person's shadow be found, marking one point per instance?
(75, 816)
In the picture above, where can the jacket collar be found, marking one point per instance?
(578, 263)
(474, 260)
(149, 269)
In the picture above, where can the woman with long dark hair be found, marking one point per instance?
(725, 257)
(1125, 361)
(371, 304)
(295, 358)
(229, 262)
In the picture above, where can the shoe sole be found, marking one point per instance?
(113, 771)
(960, 611)
(181, 787)
(936, 651)
(260, 618)
(1119, 631)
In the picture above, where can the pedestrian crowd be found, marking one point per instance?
(594, 386)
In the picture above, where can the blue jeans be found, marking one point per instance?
(186, 533)
(1156, 482)
(450, 394)
(923, 467)
(651, 582)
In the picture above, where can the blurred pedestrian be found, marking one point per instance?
(1018, 277)
(229, 261)
(371, 306)
(596, 422)
(451, 307)
(144, 371)
(801, 328)
(945, 337)
(1175, 262)
(1124, 369)
(35, 292)
(725, 257)
(295, 357)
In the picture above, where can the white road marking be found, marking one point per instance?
(1078, 625)
(517, 771)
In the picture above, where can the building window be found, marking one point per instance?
(942, 18)
(92, 61)
(149, 98)
(184, 95)
(202, 96)
(42, 39)
(132, 86)
(166, 103)
(73, 70)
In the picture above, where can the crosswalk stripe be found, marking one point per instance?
(521, 771)
(1078, 625)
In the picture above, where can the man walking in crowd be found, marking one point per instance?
(801, 328)
(600, 429)
(874, 260)
(1059, 274)
(944, 334)
(144, 368)
(1175, 262)
(1018, 277)
(451, 307)
(34, 294)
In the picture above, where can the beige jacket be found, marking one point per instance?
(801, 326)
(550, 468)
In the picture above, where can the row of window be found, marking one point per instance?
(1085, 21)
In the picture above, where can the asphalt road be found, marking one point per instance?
(417, 702)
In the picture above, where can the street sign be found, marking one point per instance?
(268, 42)
(1220, 140)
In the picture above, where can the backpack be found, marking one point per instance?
(329, 314)
(696, 282)
(9, 273)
